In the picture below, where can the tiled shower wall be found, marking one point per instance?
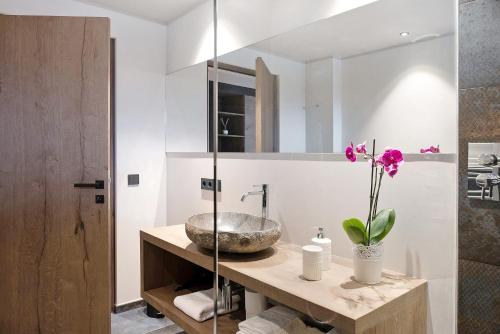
(479, 118)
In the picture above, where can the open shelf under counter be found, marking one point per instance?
(163, 300)
(396, 305)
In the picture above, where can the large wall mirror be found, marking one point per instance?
(383, 71)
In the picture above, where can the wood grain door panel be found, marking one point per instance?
(54, 132)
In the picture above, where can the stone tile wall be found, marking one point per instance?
(479, 121)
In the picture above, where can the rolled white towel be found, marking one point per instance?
(200, 305)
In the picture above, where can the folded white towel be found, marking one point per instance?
(200, 305)
(276, 320)
(295, 327)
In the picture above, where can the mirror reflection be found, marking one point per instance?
(319, 87)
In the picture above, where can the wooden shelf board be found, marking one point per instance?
(163, 300)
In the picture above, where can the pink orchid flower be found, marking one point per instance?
(361, 148)
(392, 172)
(431, 149)
(391, 160)
(349, 153)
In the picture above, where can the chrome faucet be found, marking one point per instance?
(265, 197)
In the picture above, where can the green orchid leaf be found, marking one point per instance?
(355, 230)
(382, 224)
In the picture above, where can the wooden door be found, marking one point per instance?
(54, 132)
(267, 115)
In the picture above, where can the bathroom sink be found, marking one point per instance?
(238, 232)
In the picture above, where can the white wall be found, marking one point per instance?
(406, 92)
(190, 37)
(337, 106)
(187, 113)
(305, 194)
(140, 126)
(324, 106)
(319, 106)
(291, 93)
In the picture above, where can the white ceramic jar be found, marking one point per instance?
(312, 261)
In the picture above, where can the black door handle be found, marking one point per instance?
(99, 184)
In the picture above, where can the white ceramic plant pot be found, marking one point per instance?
(368, 263)
(225, 132)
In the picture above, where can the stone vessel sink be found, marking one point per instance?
(238, 232)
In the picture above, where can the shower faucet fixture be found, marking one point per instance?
(483, 172)
(265, 197)
(490, 185)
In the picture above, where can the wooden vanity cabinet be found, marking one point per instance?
(172, 265)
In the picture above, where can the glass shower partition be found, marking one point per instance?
(288, 80)
(243, 124)
(213, 144)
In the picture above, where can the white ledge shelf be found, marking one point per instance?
(409, 157)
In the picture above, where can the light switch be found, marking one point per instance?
(133, 179)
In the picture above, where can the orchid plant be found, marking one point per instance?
(379, 223)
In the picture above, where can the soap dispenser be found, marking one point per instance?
(326, 245)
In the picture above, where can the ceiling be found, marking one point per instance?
(372, 27)
(161, 11)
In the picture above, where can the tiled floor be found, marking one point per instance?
(137, 322)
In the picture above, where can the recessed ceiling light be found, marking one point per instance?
(404, 34)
